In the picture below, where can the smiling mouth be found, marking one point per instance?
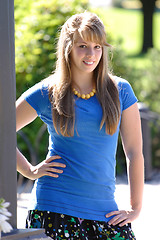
(88, 63)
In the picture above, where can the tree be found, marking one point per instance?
(148, 10)
(37, 27)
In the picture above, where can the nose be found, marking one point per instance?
(90, 52)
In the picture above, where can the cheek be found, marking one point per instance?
(79, 52)
(99, 55)
(76, 54)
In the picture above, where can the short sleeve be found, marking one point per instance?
(126, 94)
(37, 96)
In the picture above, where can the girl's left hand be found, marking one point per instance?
(122, 217)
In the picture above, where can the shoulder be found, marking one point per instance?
(121, 83)
(126, 94)
(124, 87)
(38, 95)
(39, 89)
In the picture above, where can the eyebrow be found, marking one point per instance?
(81, 42)
(85, 42)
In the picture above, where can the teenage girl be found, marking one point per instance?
(84, 108)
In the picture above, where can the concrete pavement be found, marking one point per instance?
(146, 227)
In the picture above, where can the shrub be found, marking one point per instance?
(151, 96)
(37, 26)
(151, 81)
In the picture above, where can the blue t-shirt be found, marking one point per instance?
(86, 187)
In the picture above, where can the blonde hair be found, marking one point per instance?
(90, 28)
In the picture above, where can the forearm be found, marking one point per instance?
(136, 181)
(23, 166)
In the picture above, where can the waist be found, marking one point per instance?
(89, 205)
(78, 186)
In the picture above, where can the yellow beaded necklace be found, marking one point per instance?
(84, 96)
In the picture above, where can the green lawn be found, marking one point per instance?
(156, 29)
(127, 25)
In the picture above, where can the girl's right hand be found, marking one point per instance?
(47, 168)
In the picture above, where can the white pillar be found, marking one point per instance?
(8, 174)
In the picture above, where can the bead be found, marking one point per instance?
(88, 96)
(84, 96)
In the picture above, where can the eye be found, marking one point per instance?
(98, 46)
(83, 46)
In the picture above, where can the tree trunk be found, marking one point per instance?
(148, 10)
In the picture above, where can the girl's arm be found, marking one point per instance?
(25, 114)
(132, 143)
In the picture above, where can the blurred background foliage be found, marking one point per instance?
(36, 31)
(37, 27)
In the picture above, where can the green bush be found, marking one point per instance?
(145, 81)
(151, 96)
(117, 3)
(37, 26)
(150, 93)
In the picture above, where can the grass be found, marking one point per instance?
(156, 32)
(127, 26)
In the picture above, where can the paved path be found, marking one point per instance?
(146, 227)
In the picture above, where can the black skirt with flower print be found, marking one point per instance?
(65, 227)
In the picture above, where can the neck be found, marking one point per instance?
(83, 83)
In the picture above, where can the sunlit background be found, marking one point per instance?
(132, 28)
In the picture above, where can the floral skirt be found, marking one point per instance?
(65, 227)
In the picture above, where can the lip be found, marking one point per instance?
(89, 63)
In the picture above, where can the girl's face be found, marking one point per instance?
(85, 56)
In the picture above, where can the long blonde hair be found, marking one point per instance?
(90, 28)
